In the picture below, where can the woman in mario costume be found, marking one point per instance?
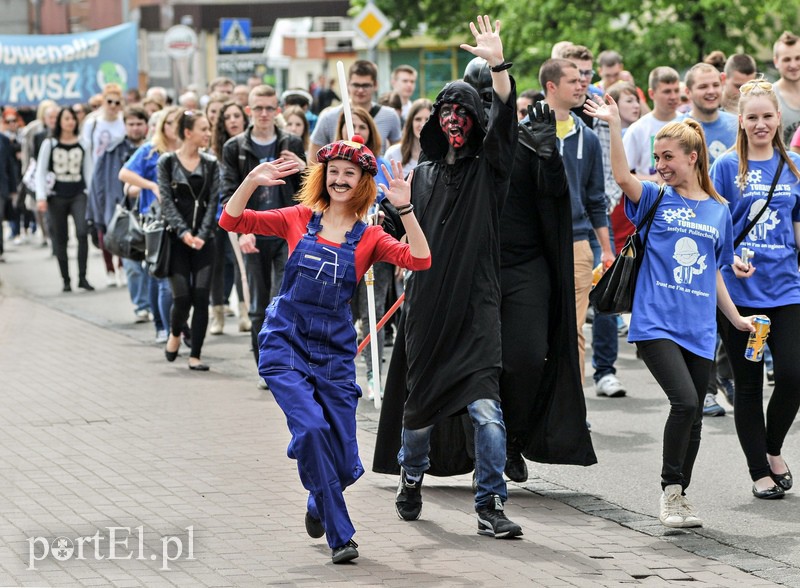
(307, 344)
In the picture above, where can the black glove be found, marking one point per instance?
(539, 133)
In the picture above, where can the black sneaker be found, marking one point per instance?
(408, 501)
(492, 521)
(516, 469)
(345, 553)
(314, 526)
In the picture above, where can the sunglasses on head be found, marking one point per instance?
(753, 84)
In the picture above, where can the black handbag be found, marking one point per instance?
(614, 292)
(158, 243)
(124, 236)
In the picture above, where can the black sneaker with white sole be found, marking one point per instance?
(492, 521)
(345, 553)
(408, 501)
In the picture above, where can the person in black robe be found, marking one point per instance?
(450, 339)
(540, 386)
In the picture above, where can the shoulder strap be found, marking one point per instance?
(754, 220)
(651, 214)
(373, 112)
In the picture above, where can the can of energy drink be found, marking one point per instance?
(747, 256)
(755, 344)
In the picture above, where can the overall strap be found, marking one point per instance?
(314, 225)
(354, 235)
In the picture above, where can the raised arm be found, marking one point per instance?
(265, 174)
(489, 46)
(609, 112)
(398, 192)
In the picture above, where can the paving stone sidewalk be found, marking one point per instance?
(100, 432)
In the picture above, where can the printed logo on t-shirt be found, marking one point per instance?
(766, 222)
(690, 262)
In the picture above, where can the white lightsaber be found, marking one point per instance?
(369, 278)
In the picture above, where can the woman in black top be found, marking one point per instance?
(63, 173)
(188, 181)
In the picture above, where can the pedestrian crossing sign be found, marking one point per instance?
(234, 34)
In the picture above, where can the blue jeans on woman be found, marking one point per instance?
(490, 450)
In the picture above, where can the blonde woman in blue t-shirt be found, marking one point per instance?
(769, 286)
(678, 289)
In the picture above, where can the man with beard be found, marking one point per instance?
(447, 358)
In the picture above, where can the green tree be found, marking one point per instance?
(647, 33)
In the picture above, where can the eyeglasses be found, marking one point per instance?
(267, 109)
(114, 102)
(362, 86)
(586, 73)
(753, 84)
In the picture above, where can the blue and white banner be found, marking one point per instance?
(66, 68)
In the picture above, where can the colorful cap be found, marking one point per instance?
(353, 150)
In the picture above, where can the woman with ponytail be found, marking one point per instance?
(678, 289)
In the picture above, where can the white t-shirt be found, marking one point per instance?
(638, 142)
(99, 134)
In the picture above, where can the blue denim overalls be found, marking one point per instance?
(307, 357)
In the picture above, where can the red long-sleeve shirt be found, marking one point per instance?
(290, 224)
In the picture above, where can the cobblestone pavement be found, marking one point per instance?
(188, 472)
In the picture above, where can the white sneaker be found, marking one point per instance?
(690, 518)
(262, 384)
(142, 316)
(609, 386)
(111, 280)
(671, 507)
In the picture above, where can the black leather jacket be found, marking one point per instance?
(181, 208)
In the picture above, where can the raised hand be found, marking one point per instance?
(398, 192)
(487, 41)
(270, 173)
(539, 131)
(607, 112)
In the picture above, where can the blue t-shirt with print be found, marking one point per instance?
(144, 162)
(676, 291)
(720, 134)
(776, 281)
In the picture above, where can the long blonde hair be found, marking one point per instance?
(159, 139)
(760, 88)
(690, 136)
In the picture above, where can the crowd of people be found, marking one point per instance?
(491, 211)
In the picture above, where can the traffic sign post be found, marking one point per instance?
(234, 34)
(180, 41)
(372, 25)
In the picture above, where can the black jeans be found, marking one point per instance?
(60, 208)
(264, 276)
(757, 436)
(190, 279)
(683, 376)
(226, 270)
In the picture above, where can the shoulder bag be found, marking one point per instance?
(614, 292)
(124, 236)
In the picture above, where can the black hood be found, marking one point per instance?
(433, 140)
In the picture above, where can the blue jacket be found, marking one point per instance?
(106, 188)
(583, 163)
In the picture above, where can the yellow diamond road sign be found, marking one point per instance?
(372, 25)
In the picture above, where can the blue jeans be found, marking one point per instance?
(490, 450)
(605, 342)
(160, 302)
(138, 283)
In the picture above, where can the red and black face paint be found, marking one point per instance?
(456, 123)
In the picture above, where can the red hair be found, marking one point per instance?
(314, 191)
